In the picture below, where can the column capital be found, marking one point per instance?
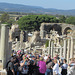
(64, 38)
(5, 25)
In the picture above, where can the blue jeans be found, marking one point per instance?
(49, 72)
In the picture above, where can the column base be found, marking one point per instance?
(3, 72)
(1, 66)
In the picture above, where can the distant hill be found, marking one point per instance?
(8, 7)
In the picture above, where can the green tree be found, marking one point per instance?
(33, 22)
(62, 19)
(10, 22)
(70, 20)
(47, 43)
(4, 18)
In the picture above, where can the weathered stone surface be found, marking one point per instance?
(60, 27)
(4, 44)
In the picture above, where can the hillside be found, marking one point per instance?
(8, 7)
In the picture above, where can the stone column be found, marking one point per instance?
(21, 39)
(71, 48)
(8, 53)
(68, 51)
(41, 30)
(52, 49)
(60, 51)
(64, 52)
(4, 45)
(49, 50)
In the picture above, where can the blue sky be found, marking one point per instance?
(58, 4)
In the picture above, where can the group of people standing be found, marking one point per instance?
(28, 64)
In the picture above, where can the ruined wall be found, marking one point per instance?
(59, 27)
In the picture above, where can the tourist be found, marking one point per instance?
(31, 66)
(48, 59)
(16, 64)
(42, 66)
(64, 68)
(10, 67)
(72, 71)
(49, 70)
(56, 68)
(71, 64)
(24, 64)
(45, 57)
(72, 67)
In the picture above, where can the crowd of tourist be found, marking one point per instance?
(22, 63)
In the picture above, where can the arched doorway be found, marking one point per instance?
(67, 30)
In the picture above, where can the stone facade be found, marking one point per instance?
(61, 28)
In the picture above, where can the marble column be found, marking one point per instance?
(21, 39)
(71, 48)
(64, 52)
(9, 51)
(60, 51)
(49, 50)
(52, 49)
(68, 51)
(54, 52)
(4, 45)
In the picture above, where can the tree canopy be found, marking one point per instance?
(62, 19)
(70, 20)
(33, 22)
(5, 18)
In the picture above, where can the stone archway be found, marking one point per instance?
(67, 30)
(57, 28)
(66, 27)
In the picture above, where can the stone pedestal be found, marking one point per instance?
(4, 45)
(3, 72)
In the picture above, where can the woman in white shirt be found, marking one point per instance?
(56, 68)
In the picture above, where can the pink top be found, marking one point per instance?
(42, 66)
